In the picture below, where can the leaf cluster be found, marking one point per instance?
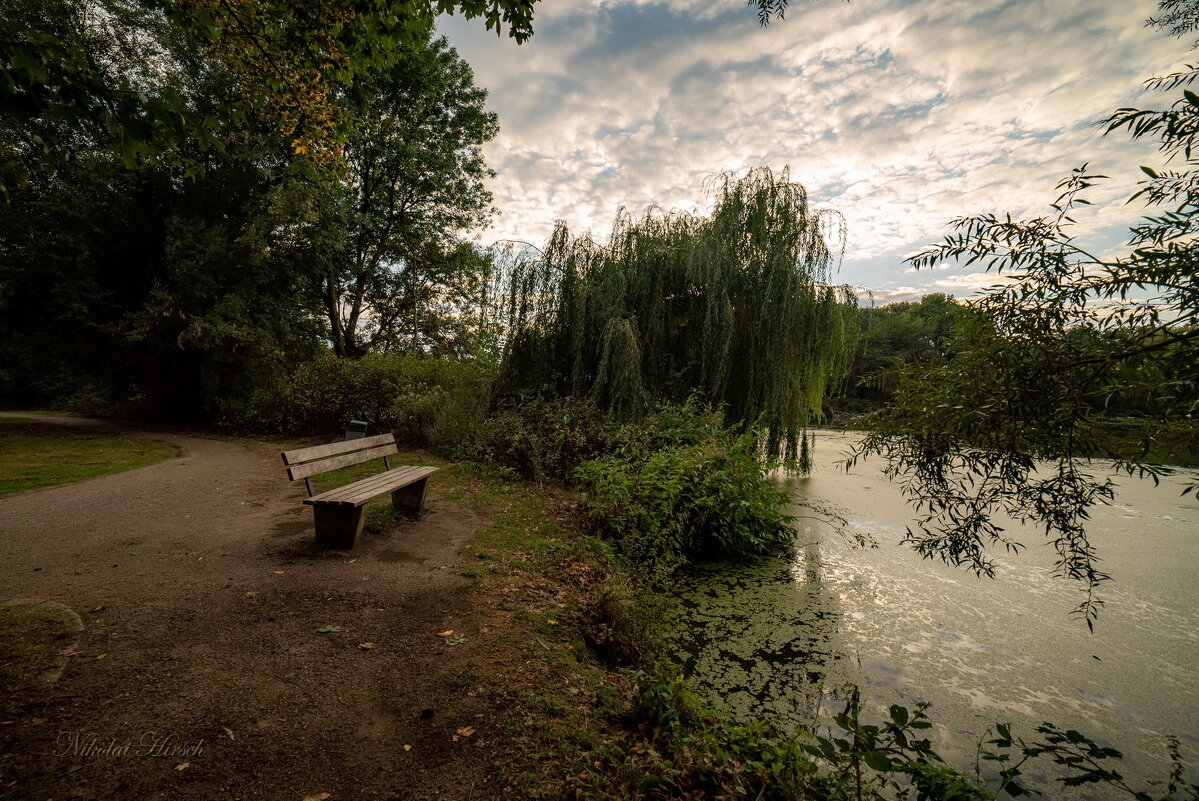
(667, 505)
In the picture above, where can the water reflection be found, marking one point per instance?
(780, 638)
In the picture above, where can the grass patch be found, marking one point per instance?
(29, 639)
(39, 455)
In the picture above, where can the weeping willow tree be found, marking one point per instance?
(735, 308)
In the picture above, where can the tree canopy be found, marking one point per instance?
(387, 237)
(176, 285)
(735, 307)
(287, 59)
(63, 65)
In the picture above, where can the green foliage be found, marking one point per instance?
(895, 334)
(146, 287)
(381, 248)
(735, 307)
(542, 439)
(157, 294)
(675, 485)
(1007, 424)
(425, 401)
(546, 440)
(288, 59)
(672, 745)
(670, 504)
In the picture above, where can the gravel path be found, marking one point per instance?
(202, 593)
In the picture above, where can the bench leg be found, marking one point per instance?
(410, 499)
(338, 525)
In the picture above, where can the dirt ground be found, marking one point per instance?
(202, 673)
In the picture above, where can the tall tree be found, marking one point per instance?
(1006, 425)
(133, 284)
(387, 235)
(735, 307)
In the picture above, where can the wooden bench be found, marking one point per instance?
(339, 513)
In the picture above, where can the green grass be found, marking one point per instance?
(37, 412)
(39, 455)
(28, 641)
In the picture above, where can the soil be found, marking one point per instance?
(202, 672)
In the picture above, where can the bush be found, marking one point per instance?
(542, 440)
(669, 505)
(426, 401)
(548, 439)
(672, 746)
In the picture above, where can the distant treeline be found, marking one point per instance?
(1136, 413)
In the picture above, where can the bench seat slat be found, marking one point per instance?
(359, 492)
(378, 484)
(362, 491)
(325, 465)
(333, 448)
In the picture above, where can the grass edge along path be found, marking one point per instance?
(40, 454)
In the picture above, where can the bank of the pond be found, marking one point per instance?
(780, 638)
(550, 673)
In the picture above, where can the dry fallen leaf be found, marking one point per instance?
(101, 656)
(366, 646)
(278, 572)
(317, 797)
(466, 731)
(445, 633)
(183, 766)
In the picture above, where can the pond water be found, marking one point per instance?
(781, 638)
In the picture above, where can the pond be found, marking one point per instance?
(781, 638)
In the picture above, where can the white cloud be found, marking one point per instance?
(902, 115)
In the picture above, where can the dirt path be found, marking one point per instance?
(202, 593)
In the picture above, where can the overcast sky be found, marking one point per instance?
(900, 114)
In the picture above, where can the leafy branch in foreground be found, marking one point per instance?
(1084, 762)
(1006, 426)
(671, 744)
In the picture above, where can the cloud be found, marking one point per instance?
(900, 114)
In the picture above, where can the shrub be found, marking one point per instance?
(542, 440)
(548, 439)
(669, 505)
(425, 401)
(671, 744)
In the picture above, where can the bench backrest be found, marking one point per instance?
(305, 462)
